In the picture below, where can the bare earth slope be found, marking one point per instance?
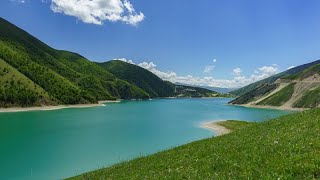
(290, 94)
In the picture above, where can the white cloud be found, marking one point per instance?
(98, 11)
(208, 69)
(237, 72)
(238, 80)
(163, 75)
(290, 67)
(125, 60)
(269, 70)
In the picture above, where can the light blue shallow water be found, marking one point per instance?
(63, 143)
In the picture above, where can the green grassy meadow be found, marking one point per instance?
(287, 147)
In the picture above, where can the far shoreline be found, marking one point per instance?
(270, 107)
(58, 107)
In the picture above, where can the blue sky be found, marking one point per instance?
(249, 39)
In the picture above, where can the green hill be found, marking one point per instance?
(66, 77)
(292, 90)
(16, 89)
(284, 148)
(152, 84)
(140, 77)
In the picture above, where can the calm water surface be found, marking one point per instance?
(63, 143)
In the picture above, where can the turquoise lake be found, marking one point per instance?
(62, 143)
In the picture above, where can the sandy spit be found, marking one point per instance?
(214, 126)
(284, 108)
(50, 108)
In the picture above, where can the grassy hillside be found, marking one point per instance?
(284, 148)
(254, 94)
(67, 77)
(141, 77)
(272, 79)
(280, 97)
(305, 73)
(309, 100)
(17, 89)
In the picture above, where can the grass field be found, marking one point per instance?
(234, 124)
(284, 148)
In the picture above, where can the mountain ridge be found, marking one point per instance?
(66, 77)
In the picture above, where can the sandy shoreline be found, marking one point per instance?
(270, 107)
(214, 126)
(50, 108)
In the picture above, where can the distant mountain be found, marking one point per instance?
(272, 79)
(216, 89)
(295, 88)
(34, 74)
(219, 90)
(189, 91)
(140, 77)
(151, 83)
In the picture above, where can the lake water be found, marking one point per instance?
(63, 143)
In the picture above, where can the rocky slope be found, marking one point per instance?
(298, 90)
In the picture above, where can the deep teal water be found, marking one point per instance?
(63, 143)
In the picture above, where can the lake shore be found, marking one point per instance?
(216, 127)
(283, 108)
(50, 108)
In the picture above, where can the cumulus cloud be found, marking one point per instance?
(269, 70)
(169, 75)
(125, 60)
(98, 11)
(237, 72)
(237, 81)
